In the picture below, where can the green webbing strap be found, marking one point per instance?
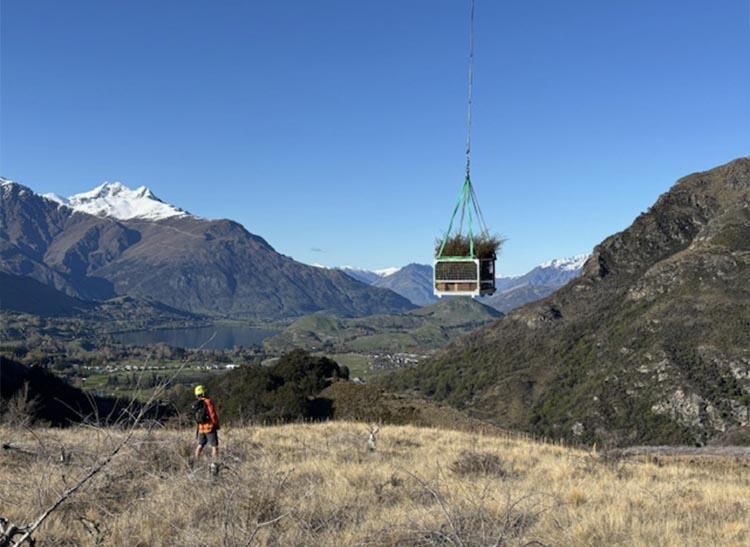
(453, 217)
(463, 199)
(470, 231)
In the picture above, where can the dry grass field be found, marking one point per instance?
(319, 485)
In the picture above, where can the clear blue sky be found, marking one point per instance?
(335, 129)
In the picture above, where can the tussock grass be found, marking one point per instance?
(318, 485)
(485, 245)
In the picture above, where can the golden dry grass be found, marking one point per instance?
(321, 487)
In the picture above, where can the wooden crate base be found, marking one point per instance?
(455, 287)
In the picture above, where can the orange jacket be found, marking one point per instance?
(213, 417)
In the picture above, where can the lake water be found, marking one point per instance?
(224, 337)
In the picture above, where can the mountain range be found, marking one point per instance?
(651, 344)
(541, 281)
(414, 282)
(116, 241)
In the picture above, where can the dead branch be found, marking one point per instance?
(262, 525)
(438, 498)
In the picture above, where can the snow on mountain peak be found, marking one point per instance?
(56, 198)
(10, 186)
(385, 272)
(114, 199)
(567, 264)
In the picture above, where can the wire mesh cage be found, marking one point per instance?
(464, 276)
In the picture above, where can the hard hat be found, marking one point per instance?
(200, 390)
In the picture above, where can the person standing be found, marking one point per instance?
(207, 420)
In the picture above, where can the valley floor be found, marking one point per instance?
(318, 485)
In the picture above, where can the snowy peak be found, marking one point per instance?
(385, 272)
(367, 276)
(9, 187)
(114, 199)
(569, 264)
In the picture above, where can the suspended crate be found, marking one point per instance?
(464, 277)
(465, 263)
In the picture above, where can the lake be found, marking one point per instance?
(224, 337)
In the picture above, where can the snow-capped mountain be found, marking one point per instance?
(568, 264)
(551, 273)
(414, 282)
(114, 199)
(541, 281)
(385, 272)
(208, 267)
(367, 276)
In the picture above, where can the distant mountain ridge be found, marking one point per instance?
(543, 280)
(159, 252)
(414, 282)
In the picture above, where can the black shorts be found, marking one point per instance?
(212, 438)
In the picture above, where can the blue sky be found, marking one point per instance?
(336, 128)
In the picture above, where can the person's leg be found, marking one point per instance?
(201, 438)
(213, 438)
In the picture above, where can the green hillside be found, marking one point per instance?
(423, 329)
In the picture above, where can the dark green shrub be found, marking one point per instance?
(285, 391)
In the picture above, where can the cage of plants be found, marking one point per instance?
(464, 262)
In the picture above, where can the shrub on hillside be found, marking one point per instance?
(478, 463)
(285, 391)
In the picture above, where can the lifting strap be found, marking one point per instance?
(467, 203)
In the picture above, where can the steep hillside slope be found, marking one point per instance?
(26, 295)
(506, 300)
(651, 344)
(208, 267)
(40, 395)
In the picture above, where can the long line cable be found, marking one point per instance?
(470, 89)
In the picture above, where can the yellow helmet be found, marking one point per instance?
(200, 390)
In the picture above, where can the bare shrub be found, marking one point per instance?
(161, 457)
(473, 520)
(478, 463)
(390, 492)
(21, 409)
(406, 443)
